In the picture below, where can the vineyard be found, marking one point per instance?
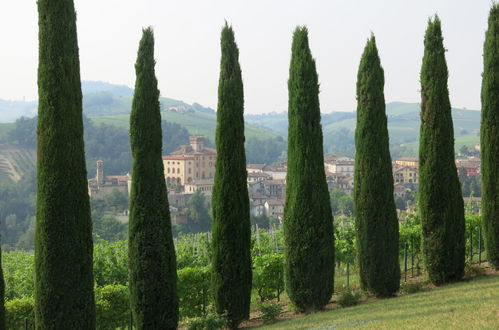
(15, 161)
(194, 258)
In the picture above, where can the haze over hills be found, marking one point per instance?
(110, 104)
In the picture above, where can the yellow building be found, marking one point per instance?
(190, 163)
(406, 174)
(407, 161)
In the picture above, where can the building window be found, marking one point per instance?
(178, 170)
(168, 170)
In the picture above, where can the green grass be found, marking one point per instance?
(470, 304)
(197, 123)
(469, 140)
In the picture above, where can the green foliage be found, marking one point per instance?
(194, 291)
(18, 270)
(109, 228)
(193, 250)
(489, 136)
(348, 298)
(208, 322)
(345, 240)
(268, 276)
(152, 265)
(110, 263)
(17, 210)
(63, 239)
(308, 219)
(111, 304)
(18, 310)
(231, 276)
(375, 214)
(264, 151)
(411, 287)
(440, 200)
(269, 311)
(199, 217)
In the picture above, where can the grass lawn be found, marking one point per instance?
(472, 304)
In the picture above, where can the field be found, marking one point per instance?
(197, 123)
(469, 304)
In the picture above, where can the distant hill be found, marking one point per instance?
(111, 104)
(403, 126)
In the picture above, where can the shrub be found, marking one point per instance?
(268, 276)
(411, 287)
(471, 271)
(349, 298)
(112, 307)
(194, 291)
(269, 311)
(208, 322)
(19, 309)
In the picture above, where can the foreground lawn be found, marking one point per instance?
(472, 304)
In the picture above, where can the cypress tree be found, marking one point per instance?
(308, 219)
(63, 238)
(440, 200)
(375, 214)
(231, 277)
(152, 262)
(489, 138)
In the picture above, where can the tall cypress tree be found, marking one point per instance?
(440, 200)
(308, 219)
(231, 278)
(63, 239)
(489, 137)
(152, 263)
(375, 214)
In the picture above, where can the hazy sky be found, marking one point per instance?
(188, 46)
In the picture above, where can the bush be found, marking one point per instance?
(471, 271)
(411, 287)
(269, 311)
(193, 287)
(18, 270)
(208, 322)
(112, 307)
(268, 276)
(111, 263)
(349, 298)
(19, 309)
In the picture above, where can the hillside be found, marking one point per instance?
(403, 126)
(15, 161)
(464, 305)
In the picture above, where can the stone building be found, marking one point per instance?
(102, 184)
(190, 163)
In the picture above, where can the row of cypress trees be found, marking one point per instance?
(63, 241)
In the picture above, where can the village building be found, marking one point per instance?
(407, 161)
(471, 165)
(103, 185)
(203, 185)
(190, 163)
(276, 172)
(274, 208)
(406, 175)
(255, 168)
(340, 165)
(257, 177)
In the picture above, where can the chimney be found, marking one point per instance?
(100, 172)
